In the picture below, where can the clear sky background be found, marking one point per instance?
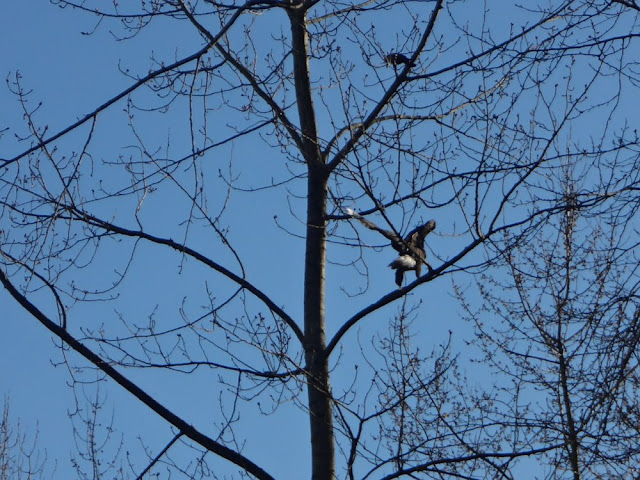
(72, 73)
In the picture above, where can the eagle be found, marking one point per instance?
(411, 247)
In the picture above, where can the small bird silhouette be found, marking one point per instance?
(396, 59)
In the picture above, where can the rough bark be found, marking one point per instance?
(318, 385)
(319, 391)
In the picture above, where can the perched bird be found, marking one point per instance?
(396, 59)
(410, 248)
(412, 253)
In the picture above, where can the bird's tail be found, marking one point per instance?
(404, 262)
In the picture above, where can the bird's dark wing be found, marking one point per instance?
(396, 241)
(416, 237)
(414, 243)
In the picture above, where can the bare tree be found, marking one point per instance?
(93, 434)
(244, 148)
(568, 340)
(20, 459)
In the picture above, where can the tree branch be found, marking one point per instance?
(388, 95)
(110, 227)
(186, 429)
(212, 41)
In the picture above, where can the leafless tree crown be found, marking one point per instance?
(199, 226)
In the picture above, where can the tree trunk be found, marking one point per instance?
(320, 408)
(317, 365)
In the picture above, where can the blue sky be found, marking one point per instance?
(72, 73)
